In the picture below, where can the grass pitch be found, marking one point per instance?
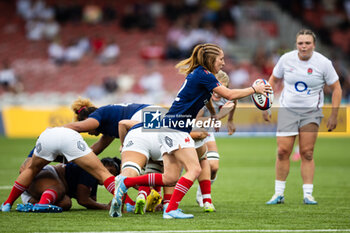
(245, 182)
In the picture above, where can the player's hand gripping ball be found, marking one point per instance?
(262, 102)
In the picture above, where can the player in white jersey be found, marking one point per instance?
(304, 73)
(222, 108)
(54, 142)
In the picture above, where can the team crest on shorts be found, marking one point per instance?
(169, 141)
(81, 146)
(38, 147)
(130, 143)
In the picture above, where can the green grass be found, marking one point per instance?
(245, 182)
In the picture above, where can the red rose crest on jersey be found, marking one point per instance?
(309, 71)
(187, 140)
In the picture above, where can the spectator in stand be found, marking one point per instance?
(239, 77)
(51, 29)
(8, 79)
(152, 83)
(35, 28)
(73, 54)
(92, 14)
(97, 44)
(152, 49)
(95, 91)
(56, 52)
(110, 53)
(110, 85)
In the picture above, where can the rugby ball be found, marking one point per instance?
(260, 101)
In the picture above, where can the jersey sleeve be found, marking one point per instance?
(278, 70)
(209, 81)
(97, 115)
(331, 75)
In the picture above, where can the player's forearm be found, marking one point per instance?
(336, 99)
(91, 204)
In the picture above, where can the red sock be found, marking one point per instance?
(129, 200)
(166, 198)
(206, 190)
(16, 191)
(145, 190)
(151, 179)
(181, 188)
(109, 184)
(48, 197)
(158, 189)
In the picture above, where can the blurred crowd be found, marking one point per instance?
(183, 24)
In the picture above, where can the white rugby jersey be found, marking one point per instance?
(304, 80)
(217, 106)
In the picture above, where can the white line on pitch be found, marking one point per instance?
(209, 231)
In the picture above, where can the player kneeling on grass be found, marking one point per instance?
(56, 185)
(50, 144)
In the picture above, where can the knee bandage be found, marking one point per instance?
(132, 165)
(204, 155)
(213, 155)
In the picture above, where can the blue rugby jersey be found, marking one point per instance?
(193, 95)
(109, 116)
(75, 175)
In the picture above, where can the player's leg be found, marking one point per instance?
(308, 137)
(205, 185)
(132, 163)
(189, 159)
(94, 166)
(284, 149)
(23, 181)
(47, 187)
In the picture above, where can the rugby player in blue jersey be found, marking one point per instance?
(56, 185)
(103, 120)
(176, 143)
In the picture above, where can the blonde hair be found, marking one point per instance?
(202, 55)
(223, 78)
(82, 108)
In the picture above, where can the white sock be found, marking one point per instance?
(279, 187)
(308, 188)
(199, 191)
(296, 149)
(213, 180)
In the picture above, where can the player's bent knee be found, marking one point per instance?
(170, 179)
(133, 166)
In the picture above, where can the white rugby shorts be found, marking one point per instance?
(210, 137)
(172, 140)
(61, 141)
(146, 143)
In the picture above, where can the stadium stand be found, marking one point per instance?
(249, 31)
